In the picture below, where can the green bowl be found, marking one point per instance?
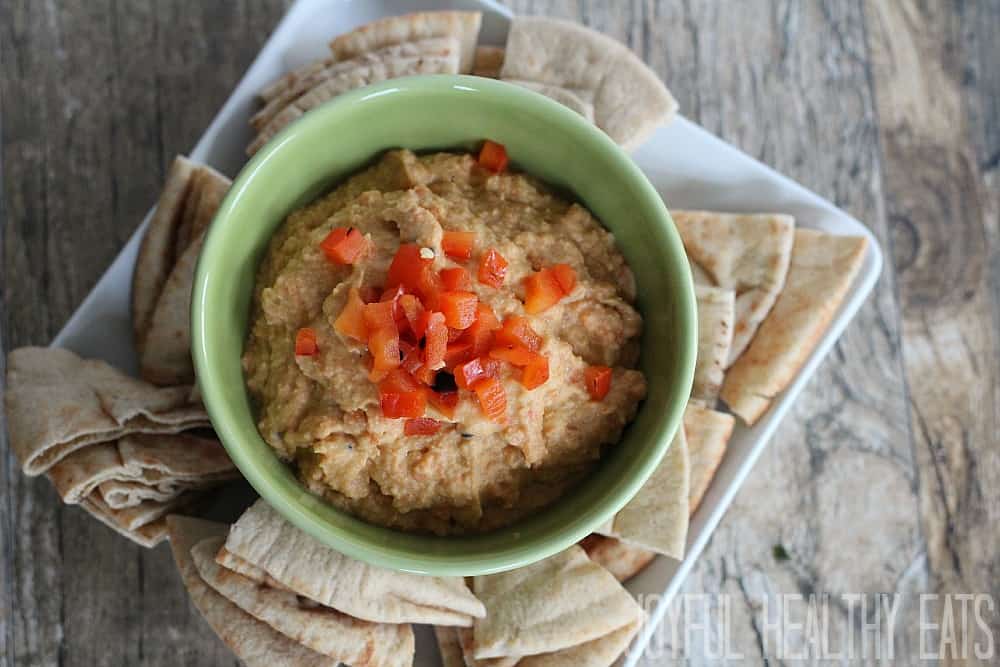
(542, 138)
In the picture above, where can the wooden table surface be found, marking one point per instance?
(885, 477)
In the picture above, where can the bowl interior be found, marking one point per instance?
(445, 112)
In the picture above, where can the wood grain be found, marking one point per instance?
(939, 145)
(886, 475)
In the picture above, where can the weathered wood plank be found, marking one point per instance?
(939, 142)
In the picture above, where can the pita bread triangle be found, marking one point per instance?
(747, 253)
(58, 403)
(148, 535)
(622, 560)
(563, 96)
(463, 26)
(557, 603)
(321, 629)
(716, 312)
(708, 433)
(342, 70)
(156, 254)
(444, 62)
(299, 562)
(822, 269)
(629, 100)
(657, 516)
(253, 642)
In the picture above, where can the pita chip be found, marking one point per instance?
(554, 604)
(822, 269)
(165, 355)
(463, 26)
(144, 467)
(253, 642)
(747, 253)
(291, 79)
(156, 254)
(563, 96)
(622, 560)
(435, 46)
(148, 534)
(487, 61)
(599, 652)
(445, 62)
(628, 99)
(708, 433)
(716, 312)
(208, 189)
(58, 403)
(657, 516)
(299, 562)
(321, 629)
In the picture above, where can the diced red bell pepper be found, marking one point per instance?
(351, 321)
(343, 245)
(492, 399)
(436, 341)
(393, 295)
(458, 353)
(517, 331)
(515, 356)
(412, 310)
(598, 380)
(305, 342)
(565, 276)
(383, 344)
(492, 268)
(456, 278)
(493, 156)
(536, 373)
(429, 288)
(408, 404)
(458, 245)
(398, 381)
(459, 308)
(541, 291)
(444, 402)
(406, 266)
(470, 372)
(480, 335)
(421, 426)
(379, 316)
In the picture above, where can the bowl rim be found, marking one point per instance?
(386, 554)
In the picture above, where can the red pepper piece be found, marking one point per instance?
(493, 156)
(492, 268)
(517, 331)
(456, 278)
(343, 245)
(541, 291)
(305, 342)
(444, 402)
(459, 308)
(565, 276)
(536, 373)
(598, 380)
(421, 426)
(458, 245)
(351, 321)
(492, 399)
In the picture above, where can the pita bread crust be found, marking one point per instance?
(253, 642)
(444, 63)
(748, 253)
(165, 356)
(147, 535)
(560, 602)
(821, 271)
(599, 652)
(488, 61)
(708, 433)
(321, 629)
(629, 100)
(563, 96)
(384, 56)
(657, 516)
(622, 560)
(58, 403)
(716, 313)
(302, 564)
(156, 253)
(464, 26)
(291, 79)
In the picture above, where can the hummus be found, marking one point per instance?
(322, 412)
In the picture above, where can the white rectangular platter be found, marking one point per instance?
(688, 166)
